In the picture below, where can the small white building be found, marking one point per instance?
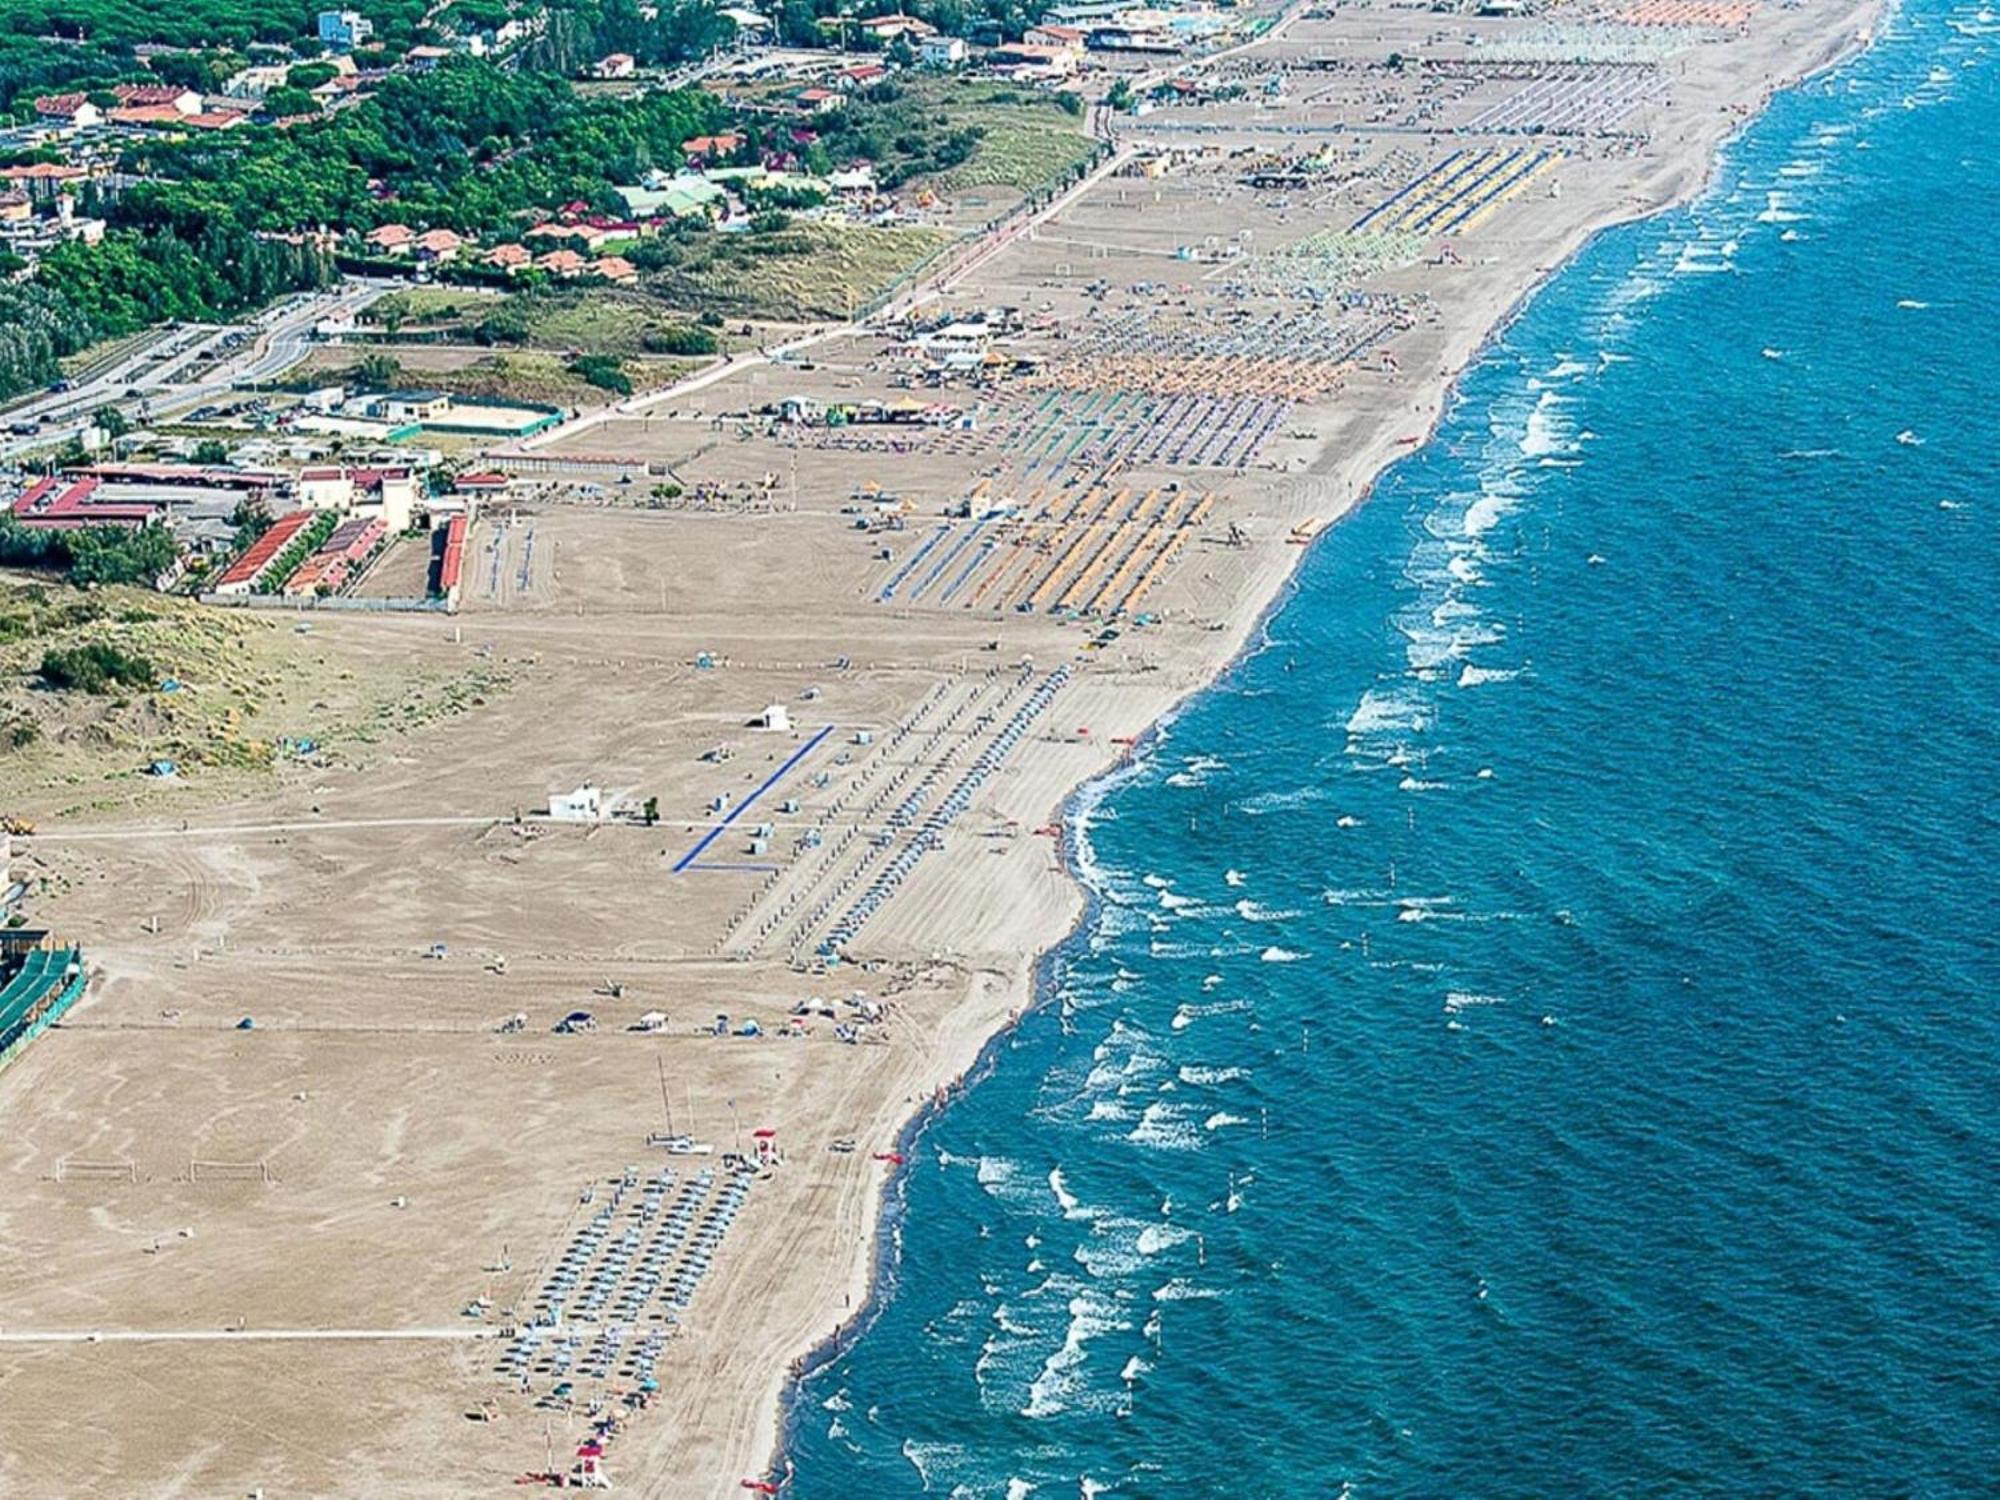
(942, 52)
(777, 717)
(584, 805)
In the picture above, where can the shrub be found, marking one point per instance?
(96, 667)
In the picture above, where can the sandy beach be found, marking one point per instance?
(285, 1189)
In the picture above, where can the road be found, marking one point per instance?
(156, 377)
(243, 1335)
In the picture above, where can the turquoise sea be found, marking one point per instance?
(1536, 1033)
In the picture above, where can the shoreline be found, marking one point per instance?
(885, 1232)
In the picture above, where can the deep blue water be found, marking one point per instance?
(1539, 1034)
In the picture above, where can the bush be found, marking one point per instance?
(678, 339)
(605, 371)
(108, 554)
(94, 668)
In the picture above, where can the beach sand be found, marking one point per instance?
(373, 1155)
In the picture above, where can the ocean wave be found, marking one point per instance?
(1181, 1289)
(1188, 1012)
(1276, 955)
(1164, 1127)
(1060, 1383)
(1251, 911)
(1207, 1077)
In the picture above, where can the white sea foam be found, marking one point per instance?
(1472, 676)
(1202, 1076)
(1232, 877)
(1355, 897)
(1220, 1120)
(1280, 956)
(1386, 712)
(1155, 1238)
(1252, 911)
(1164, 1127)
(1458, 1000)
(1060, 1382)
(1065, 1199)
(1181, 1289)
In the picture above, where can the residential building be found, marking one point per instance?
(156, 96)
(346, 29)
(1068, 38)
(70, 111)
(513, 259)
(886, 29)
(942, 52)
(43, 179)
(615, 65)
(438, 246)
(255, 82)
(860, 76)
(707, 148)
(1029, 60)
(392, 239)
(584, 236)
(615, 268)
(820, 101)
(561, 263)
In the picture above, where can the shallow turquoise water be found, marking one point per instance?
(1538, 1033)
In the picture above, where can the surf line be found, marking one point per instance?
(736, 812)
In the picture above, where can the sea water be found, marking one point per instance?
(1537, 1032)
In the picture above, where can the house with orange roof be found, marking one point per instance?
(74, 111)
(158, 96)
(392, 239)
(438, 245)
(562, 263)
(513, 259)
(585, 236)
(43, 179)
(709, 147)
(616, 269)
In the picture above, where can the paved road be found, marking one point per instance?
(155, 377)
(234, 1336)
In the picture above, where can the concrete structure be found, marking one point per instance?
(388, 495)
(584, 805)
(942, 52)
(400, 408)
(345, 29)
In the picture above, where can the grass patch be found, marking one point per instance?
(1029, 140)
(804, 273)
(244, 687)
(530, 375)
